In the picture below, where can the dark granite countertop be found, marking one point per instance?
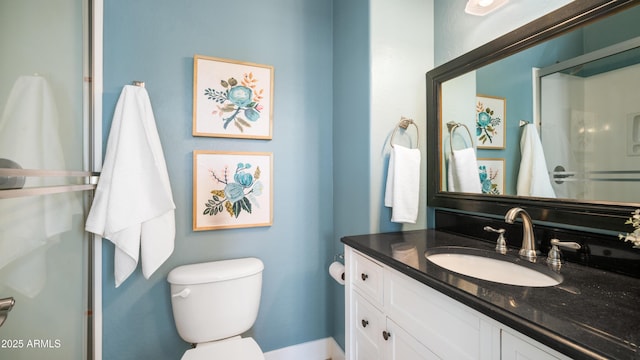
(592, 314)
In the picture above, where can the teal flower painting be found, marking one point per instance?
(491, 176)
(238, 194)
(238, 103)
(490, 130)
(487, 181)
(232, 99)
(232, 189)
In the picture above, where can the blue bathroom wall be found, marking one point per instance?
(154, 41)
(457, 32)
(351, 134)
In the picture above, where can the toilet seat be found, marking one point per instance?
(234, 348)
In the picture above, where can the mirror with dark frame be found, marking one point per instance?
(504, 88)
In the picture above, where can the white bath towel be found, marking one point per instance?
(533, 177)
(403, 184)
(133, 206)
(31, 134)
(462, 172)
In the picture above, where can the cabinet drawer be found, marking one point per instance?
(368, 323)
(366, 276)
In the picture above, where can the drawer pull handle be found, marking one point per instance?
(386, 335)
(364, 276)
(364, 323)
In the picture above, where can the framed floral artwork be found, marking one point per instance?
(491, 112)
(232, 98)
(492, 176)
(232, 189)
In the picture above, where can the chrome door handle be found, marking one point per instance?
(6, 305)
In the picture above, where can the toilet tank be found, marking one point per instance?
(215, 300)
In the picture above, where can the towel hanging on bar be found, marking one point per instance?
(462, 169)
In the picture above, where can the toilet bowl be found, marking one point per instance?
(213, 303)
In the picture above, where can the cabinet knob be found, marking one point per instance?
(364, 276)
(386, 335)
(364, 323)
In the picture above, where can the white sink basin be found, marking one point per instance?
(490, 266)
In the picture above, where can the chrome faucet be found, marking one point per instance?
(528, 250)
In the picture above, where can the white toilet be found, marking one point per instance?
(213, 303)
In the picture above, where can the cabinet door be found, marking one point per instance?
(448, 328)
(402, 346)
(366, 324)
(516, 348)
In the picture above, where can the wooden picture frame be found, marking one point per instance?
(492, 175)
(491, 119)
(232, 189)
(232, 99)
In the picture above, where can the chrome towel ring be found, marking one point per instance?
(452, 126)
(404, 124)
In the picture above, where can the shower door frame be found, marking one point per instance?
(92, 92)
(94, 164)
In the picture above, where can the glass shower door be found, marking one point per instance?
(45, 308)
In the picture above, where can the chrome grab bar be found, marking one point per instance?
(45, 190)
(91, 179)
(43, 173)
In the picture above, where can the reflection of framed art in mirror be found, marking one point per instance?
(492, 177)
(491, 112)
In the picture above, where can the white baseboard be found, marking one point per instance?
(321, 349)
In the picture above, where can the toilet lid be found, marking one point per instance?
(236, 348)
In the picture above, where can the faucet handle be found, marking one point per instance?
(554, 258)
(501, 243)
(6, 305)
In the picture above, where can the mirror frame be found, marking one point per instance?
(593, 214)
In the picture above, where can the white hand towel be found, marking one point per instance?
(403, 184)
(462, 172)
(533, 177)
(133, 206)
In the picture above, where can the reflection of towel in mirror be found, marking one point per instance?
(403, 184)
(533, 177)
(462, 172)
(30, 135)
(133, 206)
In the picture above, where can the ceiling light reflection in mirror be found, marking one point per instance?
(483, 7)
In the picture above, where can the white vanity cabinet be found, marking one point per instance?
(516, 346)
(378, 337)
(372, 334)
(392, 316)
